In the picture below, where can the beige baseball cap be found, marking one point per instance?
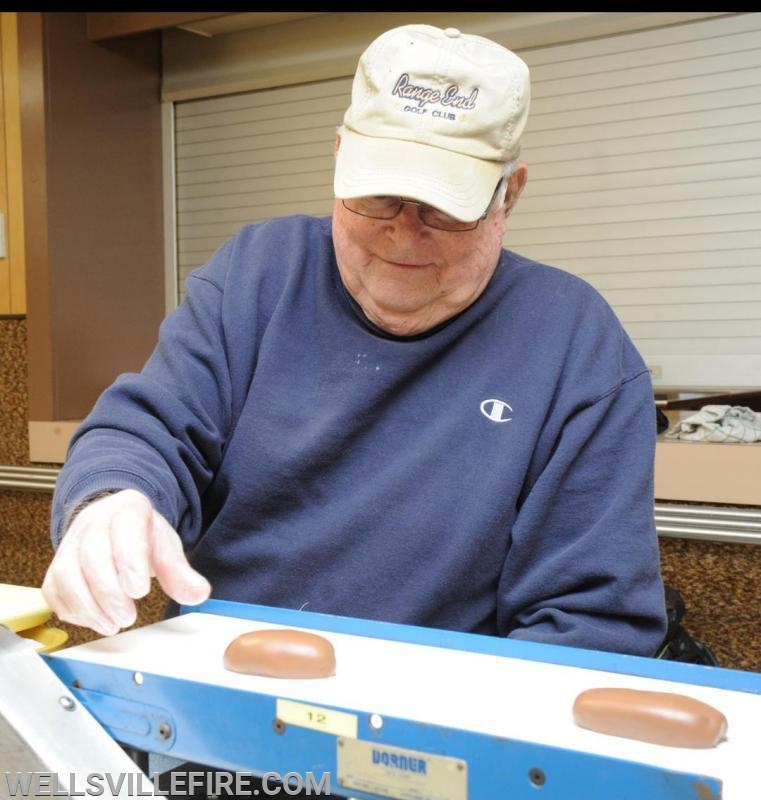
(435, 114)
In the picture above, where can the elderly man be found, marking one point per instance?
(383, 414)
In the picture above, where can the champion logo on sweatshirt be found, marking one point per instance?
(496, 410)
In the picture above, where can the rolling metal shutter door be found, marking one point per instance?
(248, 157)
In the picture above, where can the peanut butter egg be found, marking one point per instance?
(664, 718)
(281, 653)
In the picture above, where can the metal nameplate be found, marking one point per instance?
(398, 773)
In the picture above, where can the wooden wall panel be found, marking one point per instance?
(93, 184)
(14, 224)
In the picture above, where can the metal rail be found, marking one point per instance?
(711, 523)
(28, 479)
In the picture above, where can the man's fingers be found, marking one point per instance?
(98, 565)
(68, 594)
(170, 566)
(130, 534)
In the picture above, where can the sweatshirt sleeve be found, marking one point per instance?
(160, 431)
(583, 563)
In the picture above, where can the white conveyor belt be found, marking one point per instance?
(500, 696)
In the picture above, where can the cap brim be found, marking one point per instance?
(458, 185)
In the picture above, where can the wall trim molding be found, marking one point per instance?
(709, 523)
(28, 479)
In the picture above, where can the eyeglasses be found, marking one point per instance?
(388, 207)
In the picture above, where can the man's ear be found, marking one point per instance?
(515, 186)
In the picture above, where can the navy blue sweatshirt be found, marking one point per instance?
(492, 475)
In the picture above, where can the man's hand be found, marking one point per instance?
(106, 561)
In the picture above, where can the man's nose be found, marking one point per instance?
(409, 216)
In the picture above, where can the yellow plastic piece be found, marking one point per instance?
(48, 639)
(22, 607)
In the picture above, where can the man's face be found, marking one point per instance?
(408, 277)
